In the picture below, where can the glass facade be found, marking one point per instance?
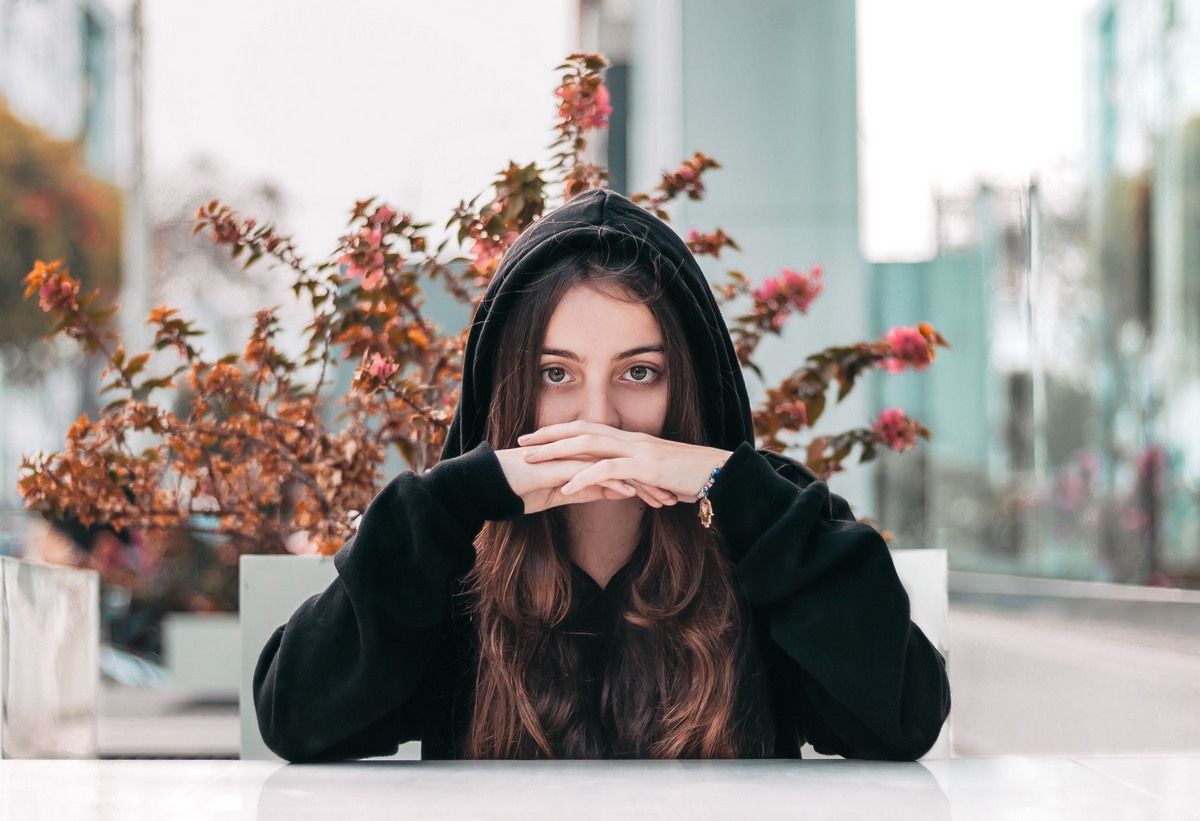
(1065, 418)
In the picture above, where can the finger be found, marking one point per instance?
(627, 469)
(595, 445)
(644, 493)
(616, 485)
(562, 430)
(608, 491)
(603, 470)
(663, 497)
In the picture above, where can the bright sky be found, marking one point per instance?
(422, 102)
(952, 90)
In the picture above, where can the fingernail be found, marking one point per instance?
(567, 491)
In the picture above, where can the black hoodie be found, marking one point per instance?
(386, 653)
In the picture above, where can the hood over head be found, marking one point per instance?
(600, 218)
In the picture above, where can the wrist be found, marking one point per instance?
(472, 487)
(705, 509)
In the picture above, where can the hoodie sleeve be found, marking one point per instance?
(871, 684)
(343, 677)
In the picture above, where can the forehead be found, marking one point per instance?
(587, 315)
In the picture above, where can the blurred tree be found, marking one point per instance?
(50, 207)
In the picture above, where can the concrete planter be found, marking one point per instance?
(924, 574)
(200, 651)
(49, 660)
(270, 590)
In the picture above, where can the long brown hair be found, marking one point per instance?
(671, 678)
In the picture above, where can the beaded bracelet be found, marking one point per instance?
(706, 511)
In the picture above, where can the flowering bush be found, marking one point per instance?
(252, 452)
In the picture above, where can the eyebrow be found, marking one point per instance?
(641, 349)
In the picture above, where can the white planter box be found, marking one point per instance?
(924, 573)
(49, 660)
(200, 651)
(271, 588)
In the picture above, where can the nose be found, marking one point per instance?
(598, 405)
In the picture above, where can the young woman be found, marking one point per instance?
(602, 564)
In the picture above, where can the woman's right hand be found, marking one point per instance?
(538, 483)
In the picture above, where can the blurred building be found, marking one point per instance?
(1065, 440)
(58, 71)
(768, 89)
(1064, 415)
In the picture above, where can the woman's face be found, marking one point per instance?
(603, 361)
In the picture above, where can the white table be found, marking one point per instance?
(1135, 787)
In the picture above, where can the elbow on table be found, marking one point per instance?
(921, 744)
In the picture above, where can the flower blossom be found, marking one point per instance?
(910, 349)
(366, 260)
(487, 252)
(789, 291)
(711, 243)
(587, 109)
(381, 367)
(382, 215)
(895, 429)
(57, 291)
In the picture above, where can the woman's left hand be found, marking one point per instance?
(676, 468)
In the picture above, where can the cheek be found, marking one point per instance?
(551, 409)
(647, 414)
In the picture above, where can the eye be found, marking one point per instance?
(554, 375)
(643, 374)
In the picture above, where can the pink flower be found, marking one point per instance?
(487, 252)
(767, 291)
(382, 215)
(797, 290)
(57, 290)
(373, 279)
(601, 108)
(381, 367)
(584, 109)
(370, 269)
(895, 429)
(910, 349)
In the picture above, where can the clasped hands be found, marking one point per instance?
(576, 462)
